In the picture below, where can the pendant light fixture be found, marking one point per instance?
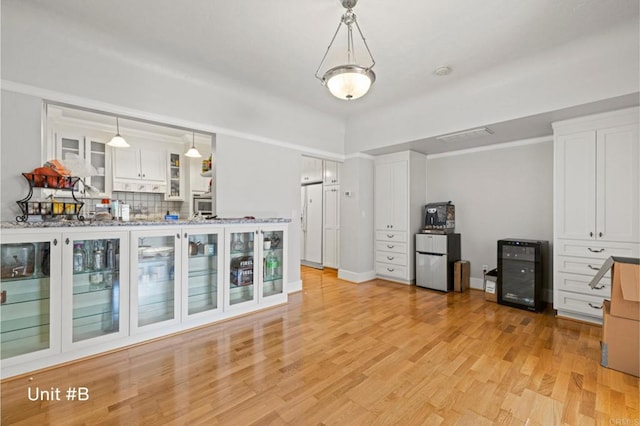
(118, 141)
(348, 81)
(193, 151)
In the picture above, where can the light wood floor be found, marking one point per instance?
(349, 354)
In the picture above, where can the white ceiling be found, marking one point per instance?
(276, 45)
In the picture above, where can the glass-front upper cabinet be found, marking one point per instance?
(202, 275)
(30, 297)
(273, 261)
(155, 293)
(94, 270)
(175, 178)
(242, 277)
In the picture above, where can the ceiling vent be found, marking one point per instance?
(467, 134)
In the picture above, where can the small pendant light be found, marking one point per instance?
(118, 141)
(193, 151)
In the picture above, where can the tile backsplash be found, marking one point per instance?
(145, 204)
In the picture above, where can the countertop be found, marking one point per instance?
(139, 223)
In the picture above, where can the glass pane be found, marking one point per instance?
(273, 261)
(25, 286)
(241, 268)
(96, 288)
(203, 273)
(156, 283)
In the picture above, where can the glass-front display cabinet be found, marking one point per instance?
(273, 260)
(155, 272)
(95, 287)
(256, 266)
(202, 274)
(30, 297)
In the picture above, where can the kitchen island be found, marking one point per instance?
(72, 289)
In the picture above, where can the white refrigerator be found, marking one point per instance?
(311, 224)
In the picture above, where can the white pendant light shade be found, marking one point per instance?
(118, 141)
(193, 151)
(349, 81)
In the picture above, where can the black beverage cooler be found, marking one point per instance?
(522, 270)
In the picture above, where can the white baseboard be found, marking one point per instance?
(477, 283)
(356, 277)
(294, 286)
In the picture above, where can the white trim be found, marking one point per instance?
(618, 117)
(476, 283)
(359, 155)
(532, 141)
(356, 277)
(80, 101)
(294, 286)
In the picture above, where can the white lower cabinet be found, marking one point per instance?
(255, 267)
(96, 284)
(69, 293)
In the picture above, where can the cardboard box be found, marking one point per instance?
(491, 286)
(461, 275)
(620, 342)
(625, 286)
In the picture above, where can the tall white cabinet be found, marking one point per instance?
(331, 215)
(399, 197)
(597, 201)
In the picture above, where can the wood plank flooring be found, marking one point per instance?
(340, 353)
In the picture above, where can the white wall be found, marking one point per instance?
(502, 192)
(356, 220)
(261, 180)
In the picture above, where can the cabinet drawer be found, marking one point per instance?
(581, 303)
(595, 249)
(389, 270)
(391, 236)
(580, 284)
(391, 246)
(579, 265)
(390, 257)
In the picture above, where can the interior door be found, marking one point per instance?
(303, 220)
(313, 242)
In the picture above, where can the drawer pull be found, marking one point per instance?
(600, 287)
(390, 269)
(596, 251)
(390, 257)
(595, 307)
(389, 246)
(389, 235)
(593, 267)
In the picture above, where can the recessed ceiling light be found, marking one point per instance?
(467, 134)
(442, 71)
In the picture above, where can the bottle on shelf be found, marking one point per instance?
(110, 259)
(79, 258)
(272, 266)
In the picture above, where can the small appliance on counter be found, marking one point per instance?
(439, 218)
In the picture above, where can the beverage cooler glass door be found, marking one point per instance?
(519, 275)
(273, 257)
(242, 267)
(156, 287)
(203, 260)
(95, 298)
(25, 315)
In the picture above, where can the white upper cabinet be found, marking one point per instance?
(144, 164)
(597, 184)
(391, 195)
(311, 170)
(331, 173)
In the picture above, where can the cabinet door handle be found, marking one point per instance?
(594, 306)
(66, 241)
(144, 175)
(390, 269)
(55, 241)
(600, 234)
(593, 267)
(390, 257)
(178, 236)
(185, 235)
(391, 226)
(388, 246)
(595, 250)
(138, 174)
(591, 234)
